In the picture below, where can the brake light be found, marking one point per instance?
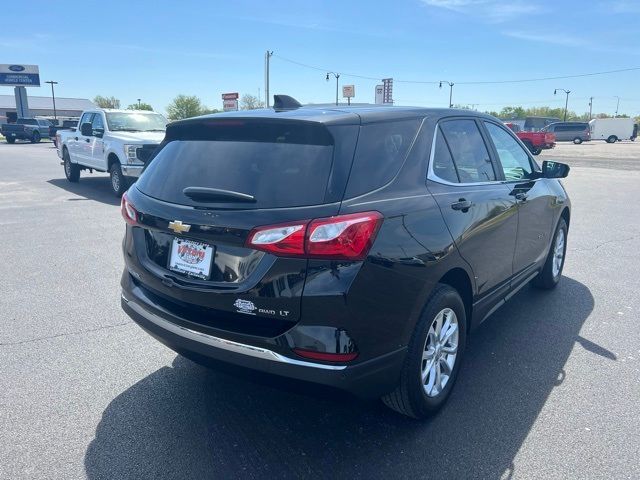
(326, 357)
(128, 211)
(344, 237)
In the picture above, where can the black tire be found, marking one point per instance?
(536, 151)
(71, 170)
(547, 278)
(577, 140)
(11, 140)
(35, 138)
(410, 397)
(119, 182)
(612, 139)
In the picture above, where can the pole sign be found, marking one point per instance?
(19, 75)
(348, 91)
(230, 96)
(379, 94)
(387, 91)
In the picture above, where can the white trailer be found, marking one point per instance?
(612, 129)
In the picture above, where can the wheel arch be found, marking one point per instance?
(458, 279)
(566, 215)
(111, 159)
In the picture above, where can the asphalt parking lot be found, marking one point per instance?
(549, 389)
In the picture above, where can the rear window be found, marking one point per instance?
(381, 151)
(282, 165)
(27, 121)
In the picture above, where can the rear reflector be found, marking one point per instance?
(326, 357)
(344, 237)
(129, 213)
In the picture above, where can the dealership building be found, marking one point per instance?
(43, 107)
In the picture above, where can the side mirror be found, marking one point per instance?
(554, 169)
(86, 130)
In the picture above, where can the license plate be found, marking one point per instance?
(191, 258)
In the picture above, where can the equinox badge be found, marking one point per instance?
(179, 227)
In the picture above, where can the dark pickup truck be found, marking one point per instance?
(32, 129)
(66, 125)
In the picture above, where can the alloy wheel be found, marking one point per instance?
(440, 352)
(558, 253)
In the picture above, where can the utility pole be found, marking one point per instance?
(451, 84)
(267, 57)
(590, 107)
(566, 102)
(337, 75)
(617, 106)
(139, 104)
(53, 97)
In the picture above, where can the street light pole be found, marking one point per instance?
(617, 106)
(451, 84)
(337, 75)
(267, 57)
(590, 107)
(566, 102)
(138, 104)
(53, 97)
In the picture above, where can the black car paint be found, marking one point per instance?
(487, 251)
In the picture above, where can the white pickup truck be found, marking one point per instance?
(114, 141)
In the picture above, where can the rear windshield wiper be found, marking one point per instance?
(206, 194)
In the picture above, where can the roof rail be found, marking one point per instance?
(285, 102)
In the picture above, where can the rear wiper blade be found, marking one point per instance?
(206, 194)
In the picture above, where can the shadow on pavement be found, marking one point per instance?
(188, 422)
(90, 187)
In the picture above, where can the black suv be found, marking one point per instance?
(352, 247)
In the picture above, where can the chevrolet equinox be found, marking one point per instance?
(353, 247)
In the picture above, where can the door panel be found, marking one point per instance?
(477, 208)
(485, 234)
(532, 195)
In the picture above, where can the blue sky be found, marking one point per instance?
(156, 50)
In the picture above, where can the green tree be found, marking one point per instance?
(250, 102)
(106, 102)
(140, 106)
(185, 106)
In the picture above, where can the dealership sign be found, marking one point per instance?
(19, 75)
(349, 91)
(230, 101)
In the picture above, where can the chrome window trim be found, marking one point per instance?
(434, 178)
(222, 343)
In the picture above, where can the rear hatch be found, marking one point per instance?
(211, 183)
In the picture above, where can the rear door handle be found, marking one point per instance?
(462, 204)
(76, 139)
(521, 196)
(87, 140)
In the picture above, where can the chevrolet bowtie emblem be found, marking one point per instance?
(179, 227)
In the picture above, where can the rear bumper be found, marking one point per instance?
(368, 379)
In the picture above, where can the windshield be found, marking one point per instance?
(136, 122)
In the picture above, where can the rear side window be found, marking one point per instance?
(443, 166)
(469, 151)
(280, 165)
(381, 151)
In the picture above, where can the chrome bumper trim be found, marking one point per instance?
(131, 170)
(224, 344)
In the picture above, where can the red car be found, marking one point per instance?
(534, 141)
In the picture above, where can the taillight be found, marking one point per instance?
(344, 237)
(326, 357)
(283, 239)
(128, 211)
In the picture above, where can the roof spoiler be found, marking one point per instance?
(285, 102)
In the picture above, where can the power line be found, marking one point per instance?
(483, 82)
